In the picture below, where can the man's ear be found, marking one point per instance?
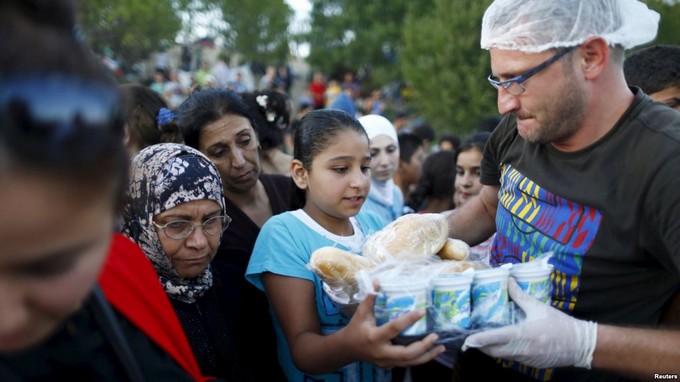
(299, 174)
(594, 57)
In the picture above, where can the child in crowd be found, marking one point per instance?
(411, 157)
(147, 120)
(385, 198)
(467, 185)
(331, 168)
(434, 191)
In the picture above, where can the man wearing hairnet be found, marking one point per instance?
(586, 168)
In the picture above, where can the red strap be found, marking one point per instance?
(131, 285)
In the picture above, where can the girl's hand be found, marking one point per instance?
(373, 344)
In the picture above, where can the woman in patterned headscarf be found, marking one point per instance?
(175, 211)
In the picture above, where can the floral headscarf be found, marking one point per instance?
(163, 176)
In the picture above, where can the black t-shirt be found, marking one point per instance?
(610, 213)
(80, 351)
(239, 239)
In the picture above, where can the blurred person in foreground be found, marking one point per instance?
(584, 167)
(77, 302)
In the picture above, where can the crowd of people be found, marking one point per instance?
(153, 232)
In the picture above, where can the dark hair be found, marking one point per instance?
(271, 111)
(424, 131)
(437, 179)
(451, 138)
(142, 106)
(408, 145)
(489, 123)
(316, 132)
(43, 64)
(654, 68)
(477, 141)
(206, 106)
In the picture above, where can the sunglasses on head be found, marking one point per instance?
(57, 115)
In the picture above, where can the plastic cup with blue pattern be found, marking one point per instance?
(396, 298)
(450, 302)
(490, 303)
(534, 278)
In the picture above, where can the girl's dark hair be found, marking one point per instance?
(452, 139)
(206, 106)
(409, 143)
(271, 111)
(142, 106)
(316, 132)
(477, 141)
(44, 65)
(437, 179)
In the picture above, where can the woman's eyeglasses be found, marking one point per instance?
(181, 229)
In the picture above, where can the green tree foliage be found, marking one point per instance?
(258, 30)
(359, 35)
(445, 67)
(133, 28)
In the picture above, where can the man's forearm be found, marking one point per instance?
(641, 353)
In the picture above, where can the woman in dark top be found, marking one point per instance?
(62, 169)
(175, 211)
(220, 125)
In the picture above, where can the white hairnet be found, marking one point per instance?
(537, 25)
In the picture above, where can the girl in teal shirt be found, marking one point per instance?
(331, 169)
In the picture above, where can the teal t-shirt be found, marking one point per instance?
(284, 246)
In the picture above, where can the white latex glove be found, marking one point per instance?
(546, 338)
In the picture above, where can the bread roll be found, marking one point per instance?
(411, 237)
(453, 266)
(454, 249)
(337, 267)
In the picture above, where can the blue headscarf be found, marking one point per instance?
(163, 176)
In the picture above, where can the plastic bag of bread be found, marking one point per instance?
(412, 237)
(338, 268)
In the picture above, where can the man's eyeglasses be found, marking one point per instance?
(181, 229)
(56, 116)
(514, 85)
